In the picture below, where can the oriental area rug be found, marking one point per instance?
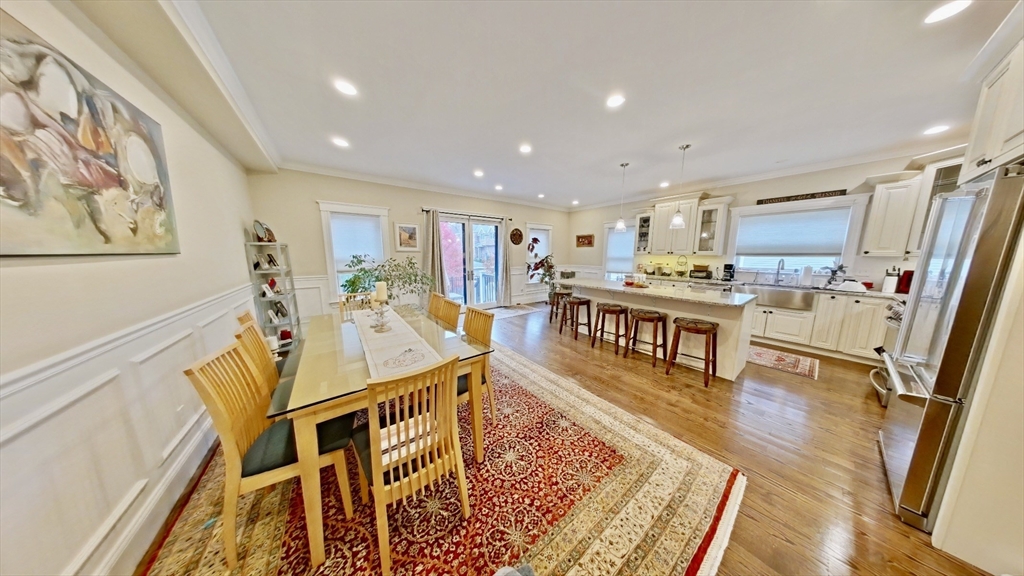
(784, 361)
(569, 484)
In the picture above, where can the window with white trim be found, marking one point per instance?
(352, 230)
(618, 252)
(541, 233)
(802, 238)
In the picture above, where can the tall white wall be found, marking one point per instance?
(99, 428)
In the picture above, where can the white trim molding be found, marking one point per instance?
(856, 202)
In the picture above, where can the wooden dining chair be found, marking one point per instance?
(349, 303)
(251, 339)
(414, 445)
(257, 451)
(434, 308)
(478, 325)
(247, 317)
(449, 312)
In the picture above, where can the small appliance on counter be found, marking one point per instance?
(729, 272)
(892, 278)
(701, 271)
(848, 285)
(903, 286)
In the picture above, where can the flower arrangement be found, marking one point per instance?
(544, 267)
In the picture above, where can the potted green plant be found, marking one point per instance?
(402, 276)
(543, 267)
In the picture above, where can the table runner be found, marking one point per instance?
(396, 351)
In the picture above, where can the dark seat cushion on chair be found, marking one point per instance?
(287, 367)
(361, 442)
(463, 386)
(275, 447)
(280, 365)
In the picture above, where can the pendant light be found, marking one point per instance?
(678, 223)
(620, 224)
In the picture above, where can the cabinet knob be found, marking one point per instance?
(771, 312)
(831, 297)
(856, 301)
(866, 252)
(982, 162)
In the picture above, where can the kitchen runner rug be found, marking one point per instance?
(785, 361)
(569, 483)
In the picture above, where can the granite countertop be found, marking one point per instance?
(711, 297)
(868, 294)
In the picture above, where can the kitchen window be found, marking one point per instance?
(805, 233)
(618, 251)
(352, 230)
(541, 232)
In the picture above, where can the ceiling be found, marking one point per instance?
(447, 88)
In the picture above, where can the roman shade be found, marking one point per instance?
(803, 233)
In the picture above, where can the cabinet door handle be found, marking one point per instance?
(831, 297)
(856, 301)
(771, 312)
(866, 252)
(982, 162)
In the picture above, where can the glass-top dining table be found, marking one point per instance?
(330, 381)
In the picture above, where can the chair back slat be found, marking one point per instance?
(415, 442)
(255, 345)
(434, 307)
(234, 392)
(479, 324)
(449, 311)
(350, 302)
(246, 317)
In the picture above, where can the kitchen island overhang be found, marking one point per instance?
(731, 311)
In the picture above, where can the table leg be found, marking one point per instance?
(476, 408)
(309, 473)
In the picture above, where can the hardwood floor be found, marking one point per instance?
(816, 500)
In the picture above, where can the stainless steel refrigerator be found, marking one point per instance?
(969, 242)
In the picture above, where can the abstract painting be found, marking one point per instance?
(407, 237)
(82, 170)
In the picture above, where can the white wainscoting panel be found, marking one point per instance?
(313, 295)
(97, 443)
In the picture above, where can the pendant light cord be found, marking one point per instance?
(682, 167)
(622, 194)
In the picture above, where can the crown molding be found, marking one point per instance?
(660, 193)
(188, 17)
(335, 173)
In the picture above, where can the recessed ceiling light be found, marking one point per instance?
(664, 184)
(498, 187)
(575, 202)
(526, 148)
(540, 195)
(340, 142)
(345, 87)
(947, 10)
(936, 129)
(478, 173)
(615, 100)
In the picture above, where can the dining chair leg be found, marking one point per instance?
(490, 394)
(460, 472)
(364, 487)
(382, 534)
(673, 352)
(341, 471)
(230, 513)
(654, 345)
(707, 358)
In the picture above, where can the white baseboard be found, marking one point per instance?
(813, 350)
(97, 443)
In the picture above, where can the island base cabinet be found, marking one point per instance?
(789, 325)
(829, 311)
(758, 321)
(863, 327)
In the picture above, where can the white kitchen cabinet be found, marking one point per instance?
(997, 133)
(759, 321)
(863, 326)
(642, 242)
(789, 325)
(829, 310)
(709, 226)
(665, 240)
(892, 212)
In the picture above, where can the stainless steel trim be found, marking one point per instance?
(892, 323)
(880, 388)
(779, 297)
(902, 391)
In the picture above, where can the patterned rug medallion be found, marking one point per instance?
(784, 361)
(569, 484)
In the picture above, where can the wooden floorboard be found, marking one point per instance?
(816, 500)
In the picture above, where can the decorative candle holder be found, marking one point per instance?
(380, 322)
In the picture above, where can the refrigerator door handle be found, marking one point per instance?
(881, 388)
(901, 390)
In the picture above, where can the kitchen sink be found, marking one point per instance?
(792, 299)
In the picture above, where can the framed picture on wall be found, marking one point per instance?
(584, 240)
(407, 237)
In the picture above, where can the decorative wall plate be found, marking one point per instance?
(516, 236)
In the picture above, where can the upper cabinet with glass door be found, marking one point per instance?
(709, 229)
(997, 134)
(937, 178)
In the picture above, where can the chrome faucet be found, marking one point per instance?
(782, 264)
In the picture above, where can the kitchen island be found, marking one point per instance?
(732, 312)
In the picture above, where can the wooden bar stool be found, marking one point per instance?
(557, 298)
(638, 315)
(693, 326)
(571, 313)
(603, 310)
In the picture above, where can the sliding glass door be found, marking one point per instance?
(471, 258)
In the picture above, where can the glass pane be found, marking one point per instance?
(942, 271)
(453, 249)
(708, 223)
(353, 235)
(485, 263)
